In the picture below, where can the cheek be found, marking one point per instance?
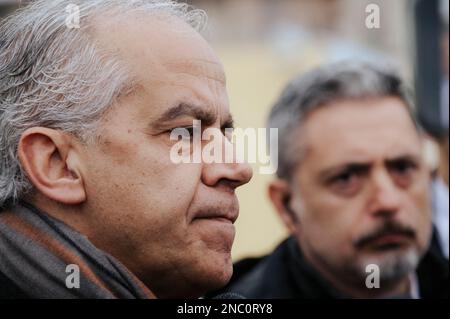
(144, 183)
(326, 221)
(330, 223)
(418, 210)
(419, 194)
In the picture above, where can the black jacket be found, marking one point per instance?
(8, 290)
(285, 274)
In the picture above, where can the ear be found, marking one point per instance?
(280, 195)
(49, 158)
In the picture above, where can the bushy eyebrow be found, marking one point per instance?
(360, 167)
(414, 159)
(208, 117)
(353, 167)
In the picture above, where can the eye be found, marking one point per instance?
(190, 129)
(345, 178)
(181, 131)
(346, 183)
(402, 171)
(402, 167)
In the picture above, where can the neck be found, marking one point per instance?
(72, 216)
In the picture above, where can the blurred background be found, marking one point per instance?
(265, 43)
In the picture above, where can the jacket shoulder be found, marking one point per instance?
(8, 290)
(263, 277)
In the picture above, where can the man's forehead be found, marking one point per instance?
(166, 54)
(146, 41)
(350, 121)
(359, 133)
(200, 67)
(195, 84)
(362, 143)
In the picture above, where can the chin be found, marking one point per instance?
(216, 273)
(394, 265)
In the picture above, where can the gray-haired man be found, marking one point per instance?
(91, 205)
(352, 189)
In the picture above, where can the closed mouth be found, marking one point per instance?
(389, 241)
(220, 219)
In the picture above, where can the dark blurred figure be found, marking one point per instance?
(353, 191)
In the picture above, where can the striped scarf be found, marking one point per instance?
(45, 258)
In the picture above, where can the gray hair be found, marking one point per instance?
(57, 77)
(320, 87)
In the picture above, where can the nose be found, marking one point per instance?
(231, 172)
(386, 196)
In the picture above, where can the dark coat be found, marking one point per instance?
(285, 274)
(8, 290)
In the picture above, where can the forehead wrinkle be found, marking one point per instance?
(198, 67)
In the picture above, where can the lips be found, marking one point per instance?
(390, 239)
(219, 215)
(391, 235)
